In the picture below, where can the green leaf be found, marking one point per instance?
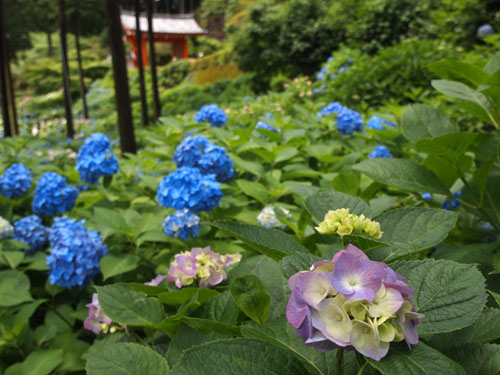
(237, 356)
(412, 229)
(402, 173)
(14, 288)
(495, 296)
(460, 91)
(39, 362)
(250, 295)
(422, 121)
(271, 242)
(419, 360)
(255, 190)
(320, 203)
(126, 306)
(185, 338)
(108, 221)
(347, 183)
(493, 65)
(12, 258)
(116, 264)
(286, 154)
(182, 296)
(208, 325)
(297, 262)
(451, 295)
(478, 359)
(126, 359)
(457, 70)
(220, 308)
(453, 144)
(247, 166)
(283, 335)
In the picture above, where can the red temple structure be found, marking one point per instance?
(167, 28)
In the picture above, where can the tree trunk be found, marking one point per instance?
(8, 126)
(83, 90)
(65, 71)
(152, 62)
(122, 93)
(138, 33)
(50, 50)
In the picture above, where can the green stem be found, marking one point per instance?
(339, 365)
(362, 369)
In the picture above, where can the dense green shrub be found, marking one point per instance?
(173, 74)
(396, 73)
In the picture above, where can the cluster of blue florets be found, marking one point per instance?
(378, 123)
(53, 196)
(454, 203)
(266, 126)
(182, 223)
(380, 152)
(485, 30)
(198, 152)
(189, 188)
(331, 108)
(349, 121)
(32, 232)
(96, 159)
(75, 253)
(211, 113)
(15, 181)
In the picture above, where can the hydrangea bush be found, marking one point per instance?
(53, 196)
(95, 159)
(15, 181)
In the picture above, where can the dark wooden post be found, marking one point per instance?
(152, 62)
(83, 90)
(12, 94)
(122, 93)
(65, 70)
(8, 126)
(140, 61)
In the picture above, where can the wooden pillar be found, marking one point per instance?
(70, 132)
(140, 45)
(134, 51)
(83, 90)
(4, 84)
(152, 59)
(185, 48)
(144, 52)
(122, 93)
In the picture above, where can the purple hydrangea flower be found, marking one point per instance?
(353, 303)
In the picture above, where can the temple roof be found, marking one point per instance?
(164, 23)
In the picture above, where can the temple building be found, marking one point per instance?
(174, 27)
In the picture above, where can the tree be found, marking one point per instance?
(122, 92)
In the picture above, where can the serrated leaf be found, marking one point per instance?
(182, 296)
(422, 121)
(320, 203)
(237, 356)
(126, 359)
(283, 335)
(14, 288)
(247, 166)
(478, 359)
(402, 173)
(412, 229)
(39, 362)
(454, 70)
(250, 295)
(454, 144)
(451, 295)
(220, 308)
(254, 189)
(419, 360)
(116, 264)
(126, 306)
(297, 262)
(208, 326)
(271, 242)
(286, 154)
(495, 296)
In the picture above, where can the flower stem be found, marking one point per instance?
(339, 362)
(362, 369)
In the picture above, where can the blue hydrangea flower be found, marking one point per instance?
(188, 188)
(321, 74)
(53, 196)
(485, 30)
(265, 125)
(269, 115)
(380, 152)
(213, 114)
(426, 196)
(182, 223)
(198, 152)
(334, 107)
(96, 159)
(6, 229)
(75, 253)
(32, 232)
(15, 181)
(378, 123)
(315, 90)
(349, 121)
(454, 203)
